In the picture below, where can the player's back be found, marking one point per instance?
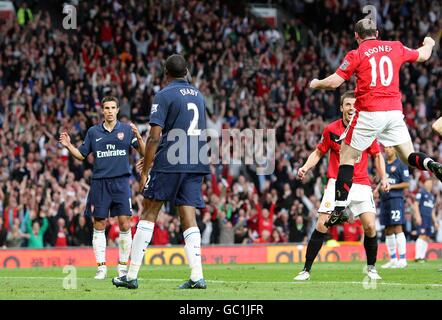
(376, 64)
(179, 109)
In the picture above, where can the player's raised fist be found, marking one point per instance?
(65, 140)
(429, 41)
(314, 83)
(302, 172)
(134, 128)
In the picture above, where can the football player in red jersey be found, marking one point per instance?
(361, 195)
(376, 64)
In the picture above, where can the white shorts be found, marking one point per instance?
(387, 126)
(360, 199)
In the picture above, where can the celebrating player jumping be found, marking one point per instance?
(376, 64)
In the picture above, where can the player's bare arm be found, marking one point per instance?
(437, 126)
(311, 162)
(398, 186)
(379, 164)
(141, 145)
(151, 148)
(331, 82)
(65, 141)
(417, 213)
(435, 220)
(426, 49)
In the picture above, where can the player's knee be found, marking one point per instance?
(370, 229)
(124, 226)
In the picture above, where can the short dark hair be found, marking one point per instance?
(347, 94)
(110, 98)
(176, 66)
(365, 28)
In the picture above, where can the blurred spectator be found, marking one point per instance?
(36, 232)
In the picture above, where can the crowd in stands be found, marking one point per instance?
(252, 76)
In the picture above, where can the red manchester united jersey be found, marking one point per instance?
(331, 134)
(376, 66)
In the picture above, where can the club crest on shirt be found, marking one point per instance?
(393, 169)
(120, 135)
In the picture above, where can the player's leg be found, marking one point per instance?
(99, 246)
(143, 236)
(360, 134)
(390, 242)
(401, 246)
(188, 198)
(421, 247)
(122, 208)
(124, 244)
(192, 247)
(363, 206)
(314, 246)
(398, 136)
(370, 243)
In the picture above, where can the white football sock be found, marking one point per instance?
(390, 241)
(99, 245)
(139, 244)
(419, 247)
(424, 249)
(192, 238)
(124, 245)
(401, 245)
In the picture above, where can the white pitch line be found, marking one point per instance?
(381, 282)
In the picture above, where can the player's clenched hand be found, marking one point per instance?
(314, 84)
(385, 186)
(65, 140)
(428, 41)
(140, 165)
(134, 129)
(302, 172)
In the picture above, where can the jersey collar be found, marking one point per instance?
(117, 125)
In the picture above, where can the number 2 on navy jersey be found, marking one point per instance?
(385, 79)
(193, 131)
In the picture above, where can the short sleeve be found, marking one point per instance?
(348, 65)
(405, 173)
(159, 110)
(324, 144)
(374, 149)
(409, 55)
(86, 146)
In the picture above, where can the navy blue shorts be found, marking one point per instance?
(426, 228)
(178, 188)
(111, 195)
(392, 212)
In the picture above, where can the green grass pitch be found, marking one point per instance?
(259, 281)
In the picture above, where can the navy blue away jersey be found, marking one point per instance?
(426, 204)
(179, 109)
(397, 172)
(111, 150)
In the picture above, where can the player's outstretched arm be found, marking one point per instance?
(331, 82)
(437, 126)
(65, 141)
(426, 49)
(311, 162)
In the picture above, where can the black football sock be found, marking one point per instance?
(313, 247)
(343, 185)
(419, 160)
(371, 249)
